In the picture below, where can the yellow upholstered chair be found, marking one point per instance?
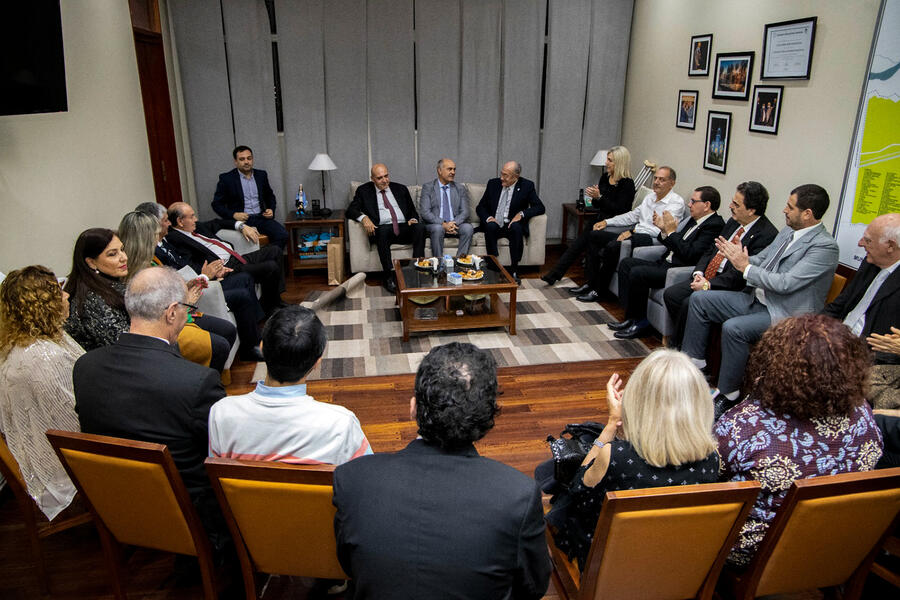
(136, 497)
(280, 516)
(837, 285)
(826, 533)
(36, 525)
(668, 542)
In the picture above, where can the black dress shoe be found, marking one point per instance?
(549, 279)
(620, 325)
(516, 278)
(589, 296)
(251, 354)
(721, 405)
(632, 332)
(580, 289)
(390, 285)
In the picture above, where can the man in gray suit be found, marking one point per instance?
(445, 209)
(791, 276)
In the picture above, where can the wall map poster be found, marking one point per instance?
(872, 178)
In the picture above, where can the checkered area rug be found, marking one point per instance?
(365, 333)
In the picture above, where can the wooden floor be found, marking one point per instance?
(535, 401)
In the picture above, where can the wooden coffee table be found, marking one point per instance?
(453, 310)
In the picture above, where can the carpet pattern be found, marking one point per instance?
(365, 333)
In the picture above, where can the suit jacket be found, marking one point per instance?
(192, 252)
(883, 311)
(431, 199)
(140, 388)
(366, 202)
(524, 200)
(760, 235)
(686, 251)
(431, 523)
(229, 196)
(800, 280)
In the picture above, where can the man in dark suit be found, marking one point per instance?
(436, 519)
(683, 247)
(389, 216)
(244, 194)
(508, 203)
(140, 388)
(749, 225)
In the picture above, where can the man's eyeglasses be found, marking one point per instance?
(190, 307)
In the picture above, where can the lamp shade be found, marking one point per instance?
(322, 162)
(598, 161)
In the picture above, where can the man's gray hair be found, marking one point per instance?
(440, 164)
(154, 209)
(518, 167)
(890, 232)
(152, 291)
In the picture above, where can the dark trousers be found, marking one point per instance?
(272, 228)
(573, 251)
(265, 266)
(240, 296)
(221, 338)
(514, 232)
(603, 256)
(409, 234)
(677, 299)
(636, 278)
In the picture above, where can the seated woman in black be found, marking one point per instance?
(659, 433)
(612, 196)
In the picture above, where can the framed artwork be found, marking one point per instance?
(766, 108)
(718, 132)
(687, 109)
(788, 49)
(732, 77)
(698, 62)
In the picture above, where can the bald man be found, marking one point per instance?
(388, 214)
(445, 210)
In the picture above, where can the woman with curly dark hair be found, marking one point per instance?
(804, 414)
(36, 360)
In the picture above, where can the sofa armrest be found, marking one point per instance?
(650, 253)
(678, 275)
(236, 239)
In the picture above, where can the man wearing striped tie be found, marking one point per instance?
(445, 210)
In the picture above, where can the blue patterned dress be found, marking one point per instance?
(756, 444)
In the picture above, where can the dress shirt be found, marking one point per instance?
(799, 233)
(218, 250)
(856, 318)
(642, 216)
(384, 215)
(251, 194)
(688, 233)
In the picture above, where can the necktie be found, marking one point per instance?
(227, 249)
(390, 208)
(445, 206)
(771, 264)
(502, 207)
(857, 317)
(712, 269)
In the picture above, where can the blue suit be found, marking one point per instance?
(229, 199)
(430, 209)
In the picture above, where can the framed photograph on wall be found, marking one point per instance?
(788, 49)
(766, 108)
(732, 77)
(718, 133)
(698, 62)
(687, 109)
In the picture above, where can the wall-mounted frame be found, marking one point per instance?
(765, 110)
(718, 133)
(733, 74)
(686, 116)
(698, 61)
(788, 49)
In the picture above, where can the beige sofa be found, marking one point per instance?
(364, 255)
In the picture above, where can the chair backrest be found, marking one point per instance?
(9, 468)
(639, 196)
(133, 490)
(666, 542)
(837, 285)
(827, 530)
(281, 516)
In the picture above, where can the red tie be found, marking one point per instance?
(227, 249)
(713, 267)
(390, 208)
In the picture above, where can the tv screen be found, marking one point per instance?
(32, 66)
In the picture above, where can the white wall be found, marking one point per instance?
(61, 173)
(817, 115)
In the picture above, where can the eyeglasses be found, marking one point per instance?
(190, 307)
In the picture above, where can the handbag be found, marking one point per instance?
(569, 452)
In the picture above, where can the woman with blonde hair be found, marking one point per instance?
(36, 360)
(659, 433)
(613, 195)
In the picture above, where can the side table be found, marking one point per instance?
(569, 208)
(295, 226)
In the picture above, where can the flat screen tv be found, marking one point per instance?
(32, 66)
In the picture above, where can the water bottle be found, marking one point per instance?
(301, 201)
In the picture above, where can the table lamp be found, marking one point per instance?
(322, 162)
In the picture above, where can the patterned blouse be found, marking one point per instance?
(576, 515)
(96, 323)
(757, 444)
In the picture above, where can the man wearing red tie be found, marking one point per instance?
(389, 216)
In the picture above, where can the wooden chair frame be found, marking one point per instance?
(36, 525)
(564, 572)
(268, 471)
(157, 454)
(746, 582)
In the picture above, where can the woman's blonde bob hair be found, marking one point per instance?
(667, 412)
(621, 158)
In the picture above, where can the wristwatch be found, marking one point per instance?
(598, 443)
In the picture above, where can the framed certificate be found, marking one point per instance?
(788, 49)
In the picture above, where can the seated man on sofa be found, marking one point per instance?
(445, 210)
(389, 216)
